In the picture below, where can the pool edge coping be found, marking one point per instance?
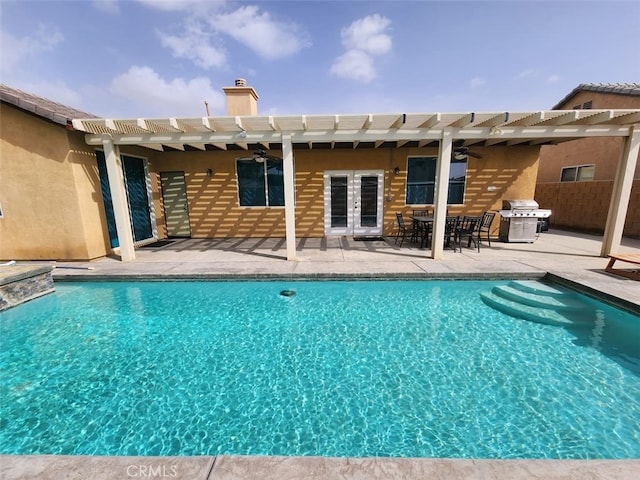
(551, 277)
(244, 467)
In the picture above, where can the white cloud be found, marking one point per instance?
(364, 39)
(16, 50)
(368, 35)
(196, 46)
(257, 30)
(182, 5)
(530, 72)
(477, 82)
(156, 96)
(355, 65)
(553, 79)
(107, 6)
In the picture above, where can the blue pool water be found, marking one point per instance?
(385, 368)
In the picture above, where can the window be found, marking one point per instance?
(582, 173)
(421, 180)
(260, 184)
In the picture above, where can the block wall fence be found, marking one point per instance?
(583, 206)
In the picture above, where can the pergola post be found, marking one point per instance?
(289, 196)
(119, 200)
(441, 192)
(621, 193)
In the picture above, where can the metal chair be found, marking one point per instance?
(450, 226)
(403, 231)
(485, 227)
(468, 228)
(421, 213)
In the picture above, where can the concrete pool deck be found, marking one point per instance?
(569, 257)
(572, 257)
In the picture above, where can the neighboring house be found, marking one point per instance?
(575, 179)
(75, 187)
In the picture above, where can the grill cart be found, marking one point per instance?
(519, 220)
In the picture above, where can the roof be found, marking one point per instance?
(359, 130)
(42, 107)
(632, 89)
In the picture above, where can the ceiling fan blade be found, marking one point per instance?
(474, 155)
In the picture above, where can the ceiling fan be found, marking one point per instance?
(460, 152)
(261, 155)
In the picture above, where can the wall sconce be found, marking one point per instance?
(396, 171)
(209, 172)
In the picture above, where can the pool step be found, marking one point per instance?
(541, 299)
(537, 302)
(534, 286)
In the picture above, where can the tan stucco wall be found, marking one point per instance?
(213, 201)
(49, 191)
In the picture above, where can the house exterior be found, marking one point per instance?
(76, 187)
(576, 178)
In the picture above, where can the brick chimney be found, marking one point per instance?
(241, 100)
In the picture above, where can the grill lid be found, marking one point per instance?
(519, 205)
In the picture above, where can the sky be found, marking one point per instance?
(166, 58)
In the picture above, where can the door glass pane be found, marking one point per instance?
(338, 201)
(369, 201)
(138, 199)
(106, 199)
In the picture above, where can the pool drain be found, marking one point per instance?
(288, 293)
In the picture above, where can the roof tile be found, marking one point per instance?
(45, 108)
(632, 89)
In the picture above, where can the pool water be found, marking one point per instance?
(361, 368)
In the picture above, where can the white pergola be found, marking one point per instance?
(367, 131)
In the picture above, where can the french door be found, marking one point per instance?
(138, 194)
(353, 202)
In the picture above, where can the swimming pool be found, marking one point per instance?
(360, 368)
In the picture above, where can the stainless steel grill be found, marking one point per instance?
(519, 220)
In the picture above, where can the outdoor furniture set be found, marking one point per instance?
(457, 228)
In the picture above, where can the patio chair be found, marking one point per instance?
(450, 226)
(403, 231)
(468, 227)
(485, 226)
(421, 213)
(423, 232)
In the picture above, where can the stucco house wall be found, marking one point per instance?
(49, 190)
(214, 210)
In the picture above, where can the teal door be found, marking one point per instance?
(137, 197)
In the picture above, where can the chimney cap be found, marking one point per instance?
(241, 82)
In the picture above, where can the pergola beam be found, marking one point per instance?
(391, 135)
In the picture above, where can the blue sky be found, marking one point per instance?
(163, 58)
